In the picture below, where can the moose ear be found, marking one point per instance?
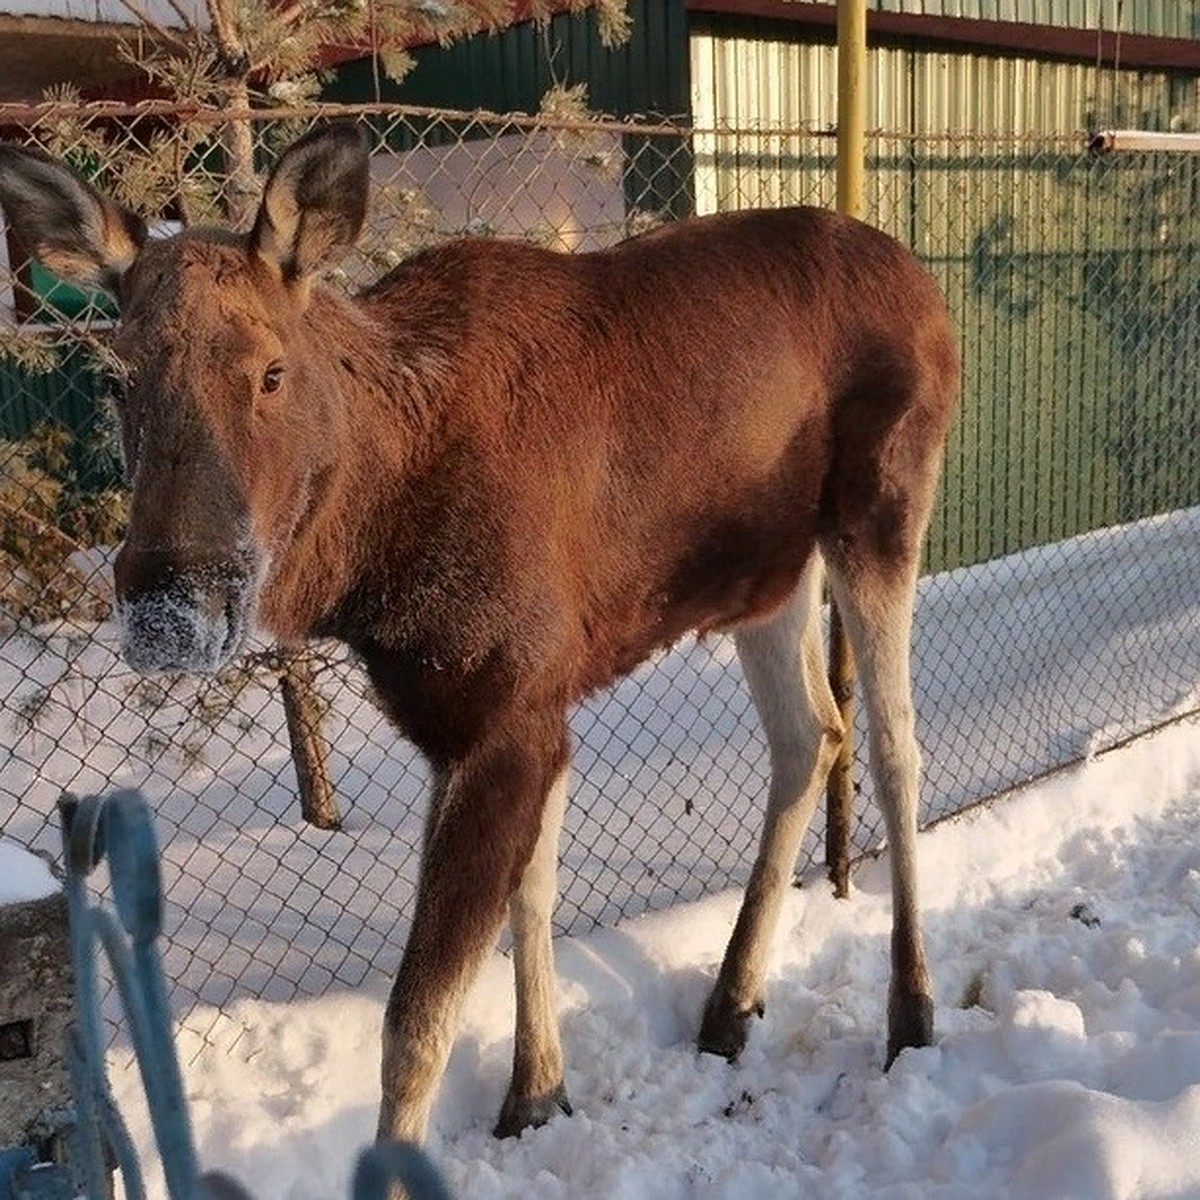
(314, 203)
(64, 222)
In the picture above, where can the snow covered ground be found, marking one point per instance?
(1063, 929)
(24, 876)
(1062, 925)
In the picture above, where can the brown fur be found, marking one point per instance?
(505, 477)
(550, 493)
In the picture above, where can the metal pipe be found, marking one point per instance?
(852, 104)
(851, 157)
(1144, 139)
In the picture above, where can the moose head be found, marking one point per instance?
(216, 344)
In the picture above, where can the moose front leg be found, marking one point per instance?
(537, 1091)
(482, 829)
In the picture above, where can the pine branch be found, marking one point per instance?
(292, 13)
(34, 527)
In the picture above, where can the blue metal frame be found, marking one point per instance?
(119, 828)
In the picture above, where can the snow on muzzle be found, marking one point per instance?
(191, 618)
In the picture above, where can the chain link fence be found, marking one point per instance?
(1060, 614)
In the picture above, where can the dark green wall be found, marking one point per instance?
(512, 70)
(68, 395)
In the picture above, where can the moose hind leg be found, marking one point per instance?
(784, 666)
(876, 603)
(482, 829)
(537, 1091)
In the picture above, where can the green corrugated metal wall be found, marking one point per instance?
(68, 395)
(747, 72)
(1071, 277)
(510, 71)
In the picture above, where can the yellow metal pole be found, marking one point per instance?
(852, 105)
(851, 156)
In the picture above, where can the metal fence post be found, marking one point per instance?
(851, 152)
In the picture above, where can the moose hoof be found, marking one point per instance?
(530, 1112)
(726, 1024)
(910, 1023)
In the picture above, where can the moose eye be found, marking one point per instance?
(272, 378)
(116, 385)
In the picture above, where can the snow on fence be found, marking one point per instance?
(1062, 572)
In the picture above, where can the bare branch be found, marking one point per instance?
(144, 18)
(184, 16)
(223, 28)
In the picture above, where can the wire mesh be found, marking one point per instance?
(1059, 615)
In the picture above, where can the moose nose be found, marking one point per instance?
(175, 618)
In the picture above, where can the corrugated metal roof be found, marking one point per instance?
(1161, 18)
(161, 12)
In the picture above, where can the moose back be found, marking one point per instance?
(505, 477)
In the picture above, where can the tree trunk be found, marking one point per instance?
(241, 182)
(301, 704)
(303, 709)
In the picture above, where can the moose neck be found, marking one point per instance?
(379, 391)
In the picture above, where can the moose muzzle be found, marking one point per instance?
(174, 617)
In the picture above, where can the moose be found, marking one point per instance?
(504, 476)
